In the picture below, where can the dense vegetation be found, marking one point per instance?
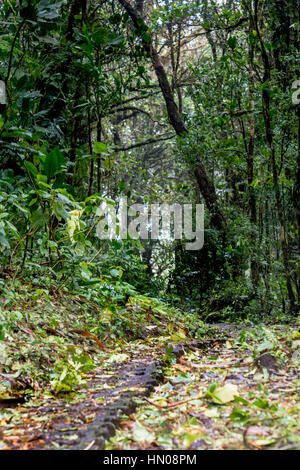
(161, 102)
(88, 117)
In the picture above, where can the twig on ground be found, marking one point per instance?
(174, 405)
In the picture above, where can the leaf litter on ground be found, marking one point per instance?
(224, 398)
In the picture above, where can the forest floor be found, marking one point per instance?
(238, 390)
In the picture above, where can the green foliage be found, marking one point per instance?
(80, 89)
(87, 119)
(67, 371)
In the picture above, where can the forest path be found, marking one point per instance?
(229, 392)
(74, 420)
(239, 394)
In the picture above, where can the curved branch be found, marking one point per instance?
(141, 144)
(12, 50)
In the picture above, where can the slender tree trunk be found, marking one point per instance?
(276, 186)
(250, 171)
(91, 179)
(99, 132)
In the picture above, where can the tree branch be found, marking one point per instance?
(146, 142)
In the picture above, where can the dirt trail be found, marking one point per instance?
(89, 416)
(217, 394)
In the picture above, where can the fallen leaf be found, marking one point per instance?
(225, 394)
(141, 434)
(89, 335)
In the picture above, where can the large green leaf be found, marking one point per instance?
(99, 147)
(53, 162)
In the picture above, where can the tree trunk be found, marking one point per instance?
(250, 170)
(276, 186)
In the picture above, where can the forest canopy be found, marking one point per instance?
(149, 224)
